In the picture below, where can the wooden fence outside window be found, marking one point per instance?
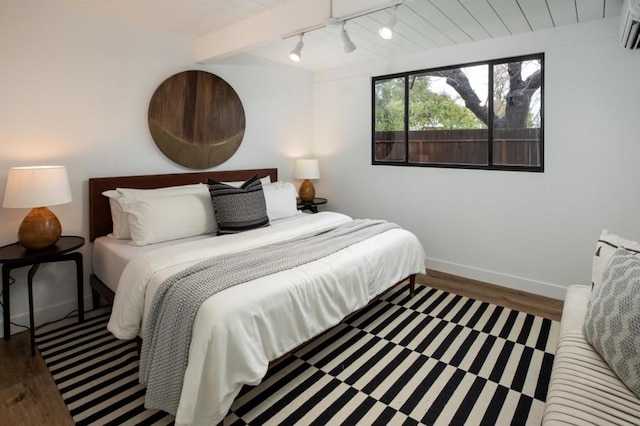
(514, 147)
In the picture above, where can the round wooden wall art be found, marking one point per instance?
(196, 119)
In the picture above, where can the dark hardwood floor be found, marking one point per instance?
(28, 395)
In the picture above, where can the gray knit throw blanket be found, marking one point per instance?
(165, 348)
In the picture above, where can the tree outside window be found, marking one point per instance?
(441, 117)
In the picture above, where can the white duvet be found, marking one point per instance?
(239, 330)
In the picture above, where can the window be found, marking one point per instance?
(484, 115)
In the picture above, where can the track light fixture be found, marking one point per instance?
(349, 46)
(296, 53)
(386, 32)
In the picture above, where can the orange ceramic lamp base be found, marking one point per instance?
(39, 229)
(307, 192)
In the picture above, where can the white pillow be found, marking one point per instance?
(120, 218)
(280, 198)
(120, 226)
(265, 180)
(161, 192)
(157, 219)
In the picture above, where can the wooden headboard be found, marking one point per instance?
(100, 213)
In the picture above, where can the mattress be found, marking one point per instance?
(111, 255)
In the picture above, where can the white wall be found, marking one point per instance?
(74, 90)
(530, 231)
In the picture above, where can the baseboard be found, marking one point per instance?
(541, 288)
(46, 314)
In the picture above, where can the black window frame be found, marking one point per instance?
(490, 140)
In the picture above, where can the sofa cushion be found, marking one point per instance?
(612, 323)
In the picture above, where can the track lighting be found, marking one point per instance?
(349, 46)
(386, 32)
(296, 53)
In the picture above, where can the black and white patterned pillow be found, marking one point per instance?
(238, 209)
(612, 322)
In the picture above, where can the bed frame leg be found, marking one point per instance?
(412, 285)
(96, 299)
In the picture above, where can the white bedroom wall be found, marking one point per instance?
(530, 231)
(74, 90)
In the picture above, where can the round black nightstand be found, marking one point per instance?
(312, 206)
(14, 256)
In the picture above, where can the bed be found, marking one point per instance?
(237, 332)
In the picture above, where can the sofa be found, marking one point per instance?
(583, 389)
(595, 377)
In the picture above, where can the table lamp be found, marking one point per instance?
(36, 188)
(306, 169)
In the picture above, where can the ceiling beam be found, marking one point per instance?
(292, 17)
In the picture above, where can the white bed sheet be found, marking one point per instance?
(238, 331)
(111, 255)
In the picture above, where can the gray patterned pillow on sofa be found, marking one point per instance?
(238, 209)
(607, 244)
(612, 323)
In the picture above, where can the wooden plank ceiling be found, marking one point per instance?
(221, 28)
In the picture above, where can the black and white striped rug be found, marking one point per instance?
(436, 358)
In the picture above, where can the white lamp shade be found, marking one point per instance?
(306, 169)
(296, 54)
(38, 186)
(349, 46)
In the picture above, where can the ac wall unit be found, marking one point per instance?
(630, 25)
